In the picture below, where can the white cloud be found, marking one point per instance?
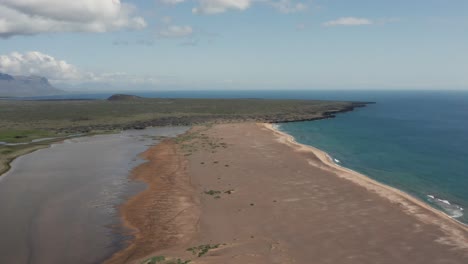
(27, 17)
(288, 6)
(209, 7)
(60, 71)
(348, 21)
(174, 31)
(220, 6)
(36, 63)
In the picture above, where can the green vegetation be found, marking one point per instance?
(212, 192)
(202, 249)
(16, 136)
(154, 260)
(25, 121)
(217, 194)
(198, 251)
(195, 140)
(35, 119)
(163, 260)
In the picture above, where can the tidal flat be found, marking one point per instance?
(60, 204)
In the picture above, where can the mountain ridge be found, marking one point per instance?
(17, 86)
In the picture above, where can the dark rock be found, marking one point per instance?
(123, 97)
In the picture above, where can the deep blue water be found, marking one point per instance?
(416, 141)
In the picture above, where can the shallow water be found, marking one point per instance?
(58, 205)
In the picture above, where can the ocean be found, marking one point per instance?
(416, 141)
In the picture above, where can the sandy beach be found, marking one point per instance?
(246, 193)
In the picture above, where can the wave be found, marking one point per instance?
(453, 210)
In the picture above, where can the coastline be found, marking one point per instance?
(393, 194)
(250, 219)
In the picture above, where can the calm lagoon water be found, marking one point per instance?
(58, 205)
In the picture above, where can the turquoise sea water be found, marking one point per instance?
(414, 141)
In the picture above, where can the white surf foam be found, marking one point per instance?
(453, 210)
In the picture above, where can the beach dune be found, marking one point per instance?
(250, 194)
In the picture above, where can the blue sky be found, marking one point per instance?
(238, 44)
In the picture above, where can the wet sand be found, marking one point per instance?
(166, 213)
(275, 201)
(58, 205)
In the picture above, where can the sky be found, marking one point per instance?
(237, 44)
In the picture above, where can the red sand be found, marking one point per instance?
(279, 202)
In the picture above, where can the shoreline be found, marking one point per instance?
(6, 164)
(68, 192)
(391, 193)
(177, 210)
(156, 215)
(26, 148)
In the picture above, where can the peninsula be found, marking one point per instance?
(233, 189)
(27, 125)
(246, 193)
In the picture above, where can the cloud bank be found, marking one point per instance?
(60, 71)
(29, 17)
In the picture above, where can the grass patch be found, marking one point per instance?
(90, 115)
(217, 194)
(201, 250)
(19, 136)
(154, 260)
(212, 192)
(163, 260)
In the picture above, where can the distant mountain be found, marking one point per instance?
(13, 86)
